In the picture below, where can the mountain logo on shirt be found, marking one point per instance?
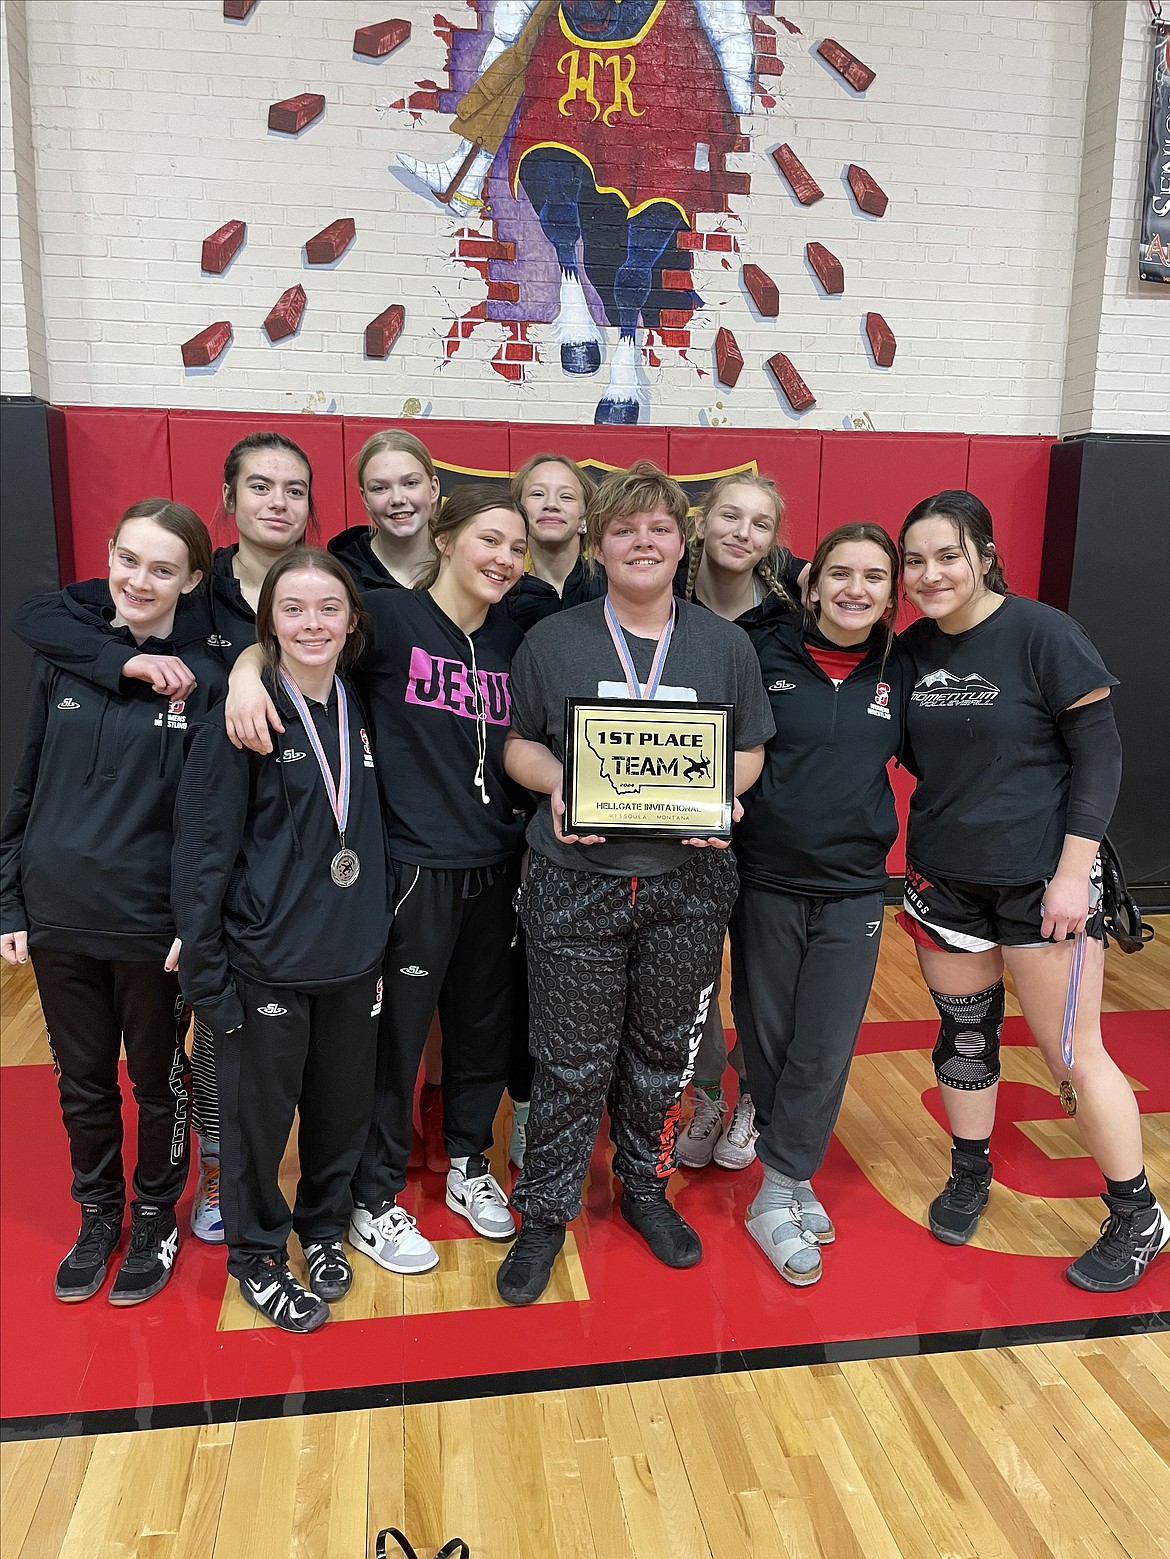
(68, 703)
(218, 642)
(780, 686)
(941, 689)
(272, 1011)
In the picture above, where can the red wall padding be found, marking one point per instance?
(793, 460)
(113, 458)
(463, 449)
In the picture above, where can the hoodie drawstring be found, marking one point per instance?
(480, 726)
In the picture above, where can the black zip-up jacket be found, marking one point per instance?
(352, 547)
(820, 819)
(85, 852)
(531, 600)
(254, 841)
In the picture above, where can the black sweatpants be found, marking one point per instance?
(451, 948)
(801, 971)
(92, 1005)
(312, 1050)
(621, 972)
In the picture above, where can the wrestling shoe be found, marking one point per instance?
(83, 1271)
(525, 1271)
(475, 1194)
(330, 1274)
(206, 1218)
(1131, 1237)
(736, 1148)
(391, 1238)
(697, 1143)
(668, 1234)
(275, 1292)
(955, 1212)
(147, 1265)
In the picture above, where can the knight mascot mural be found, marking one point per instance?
(615, 117)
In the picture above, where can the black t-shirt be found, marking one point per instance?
(994, 769)
(431, 731)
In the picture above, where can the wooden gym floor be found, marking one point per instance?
(941, 1419)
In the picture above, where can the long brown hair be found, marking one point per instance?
(972, 518)
(458, 509)
(252, 444)
(179, 521)
(861, 530)
(769, 568)
(321, 563)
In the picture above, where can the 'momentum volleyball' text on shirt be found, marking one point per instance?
(981, 721)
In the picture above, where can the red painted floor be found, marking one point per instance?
(885, 1277)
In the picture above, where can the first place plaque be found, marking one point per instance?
(648, 769)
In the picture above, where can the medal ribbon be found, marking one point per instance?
(1072, 1000)
(623, 650)
(338, 793)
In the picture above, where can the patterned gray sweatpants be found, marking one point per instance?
(621, 972)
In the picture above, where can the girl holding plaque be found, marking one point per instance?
(1012, 732)
(811, 850)
(624, 936)
(435, 673)
(280, 897)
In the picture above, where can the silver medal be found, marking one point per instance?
(345, 867)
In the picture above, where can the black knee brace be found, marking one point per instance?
(966, 1054)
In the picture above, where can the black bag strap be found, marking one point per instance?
(1122, 917)
(455, 1548)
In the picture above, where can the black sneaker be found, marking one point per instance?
(146, 1266)
(276, 1294)
(669, 1236)
(526, 1269)
(330, 1274)
(83, 1271)
(955, 1212)
(1131, 1237)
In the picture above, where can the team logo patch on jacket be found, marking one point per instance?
(377, 1007)
(290, 755)
(367, 755)
(68, 703)
(218, 642)
(780, 686)
(176, 719)
(272, 1011)
(881, 701)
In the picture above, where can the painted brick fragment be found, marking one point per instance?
(207, 345)
(797, 393)
(380, 38)
(486, 249)
(220, 247)
(791, 26)
(674, 319)
(830, 272)
(764, 292)
(881, 340)
(728, 358)
(331, 241)
(867, 192)
(847, 65)
(730, 183)
(286, 314)
(503, 292)
(675, 338)
(804, 186)
(677, 281)
(237, 10)
(292, 114)
(384, 330)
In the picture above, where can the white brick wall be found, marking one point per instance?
(149, 119)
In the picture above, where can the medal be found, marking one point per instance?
(634, 688)
(345, 866)
(1068, 1097)
(1068, 1094)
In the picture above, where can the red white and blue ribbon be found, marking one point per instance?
(1072, 1000)
(634, 687)
(338, 793)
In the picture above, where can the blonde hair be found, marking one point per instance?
(586, 483)
(769, 568)
(640, 490)
(393, 441)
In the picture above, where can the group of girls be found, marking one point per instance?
(348, 843)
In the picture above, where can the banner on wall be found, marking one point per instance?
(1154, 247)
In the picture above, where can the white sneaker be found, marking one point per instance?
(475, 1194)
(206, 1218)
(697, 1142)
(736, 1148)
(392, 1240)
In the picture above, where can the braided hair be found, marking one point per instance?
(770, 568)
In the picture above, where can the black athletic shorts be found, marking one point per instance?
(974, 917)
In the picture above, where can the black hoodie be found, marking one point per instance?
(353, 548)
(85, 853)
(820, 819)
(60, 625)
(531, 600)
(255, 838)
